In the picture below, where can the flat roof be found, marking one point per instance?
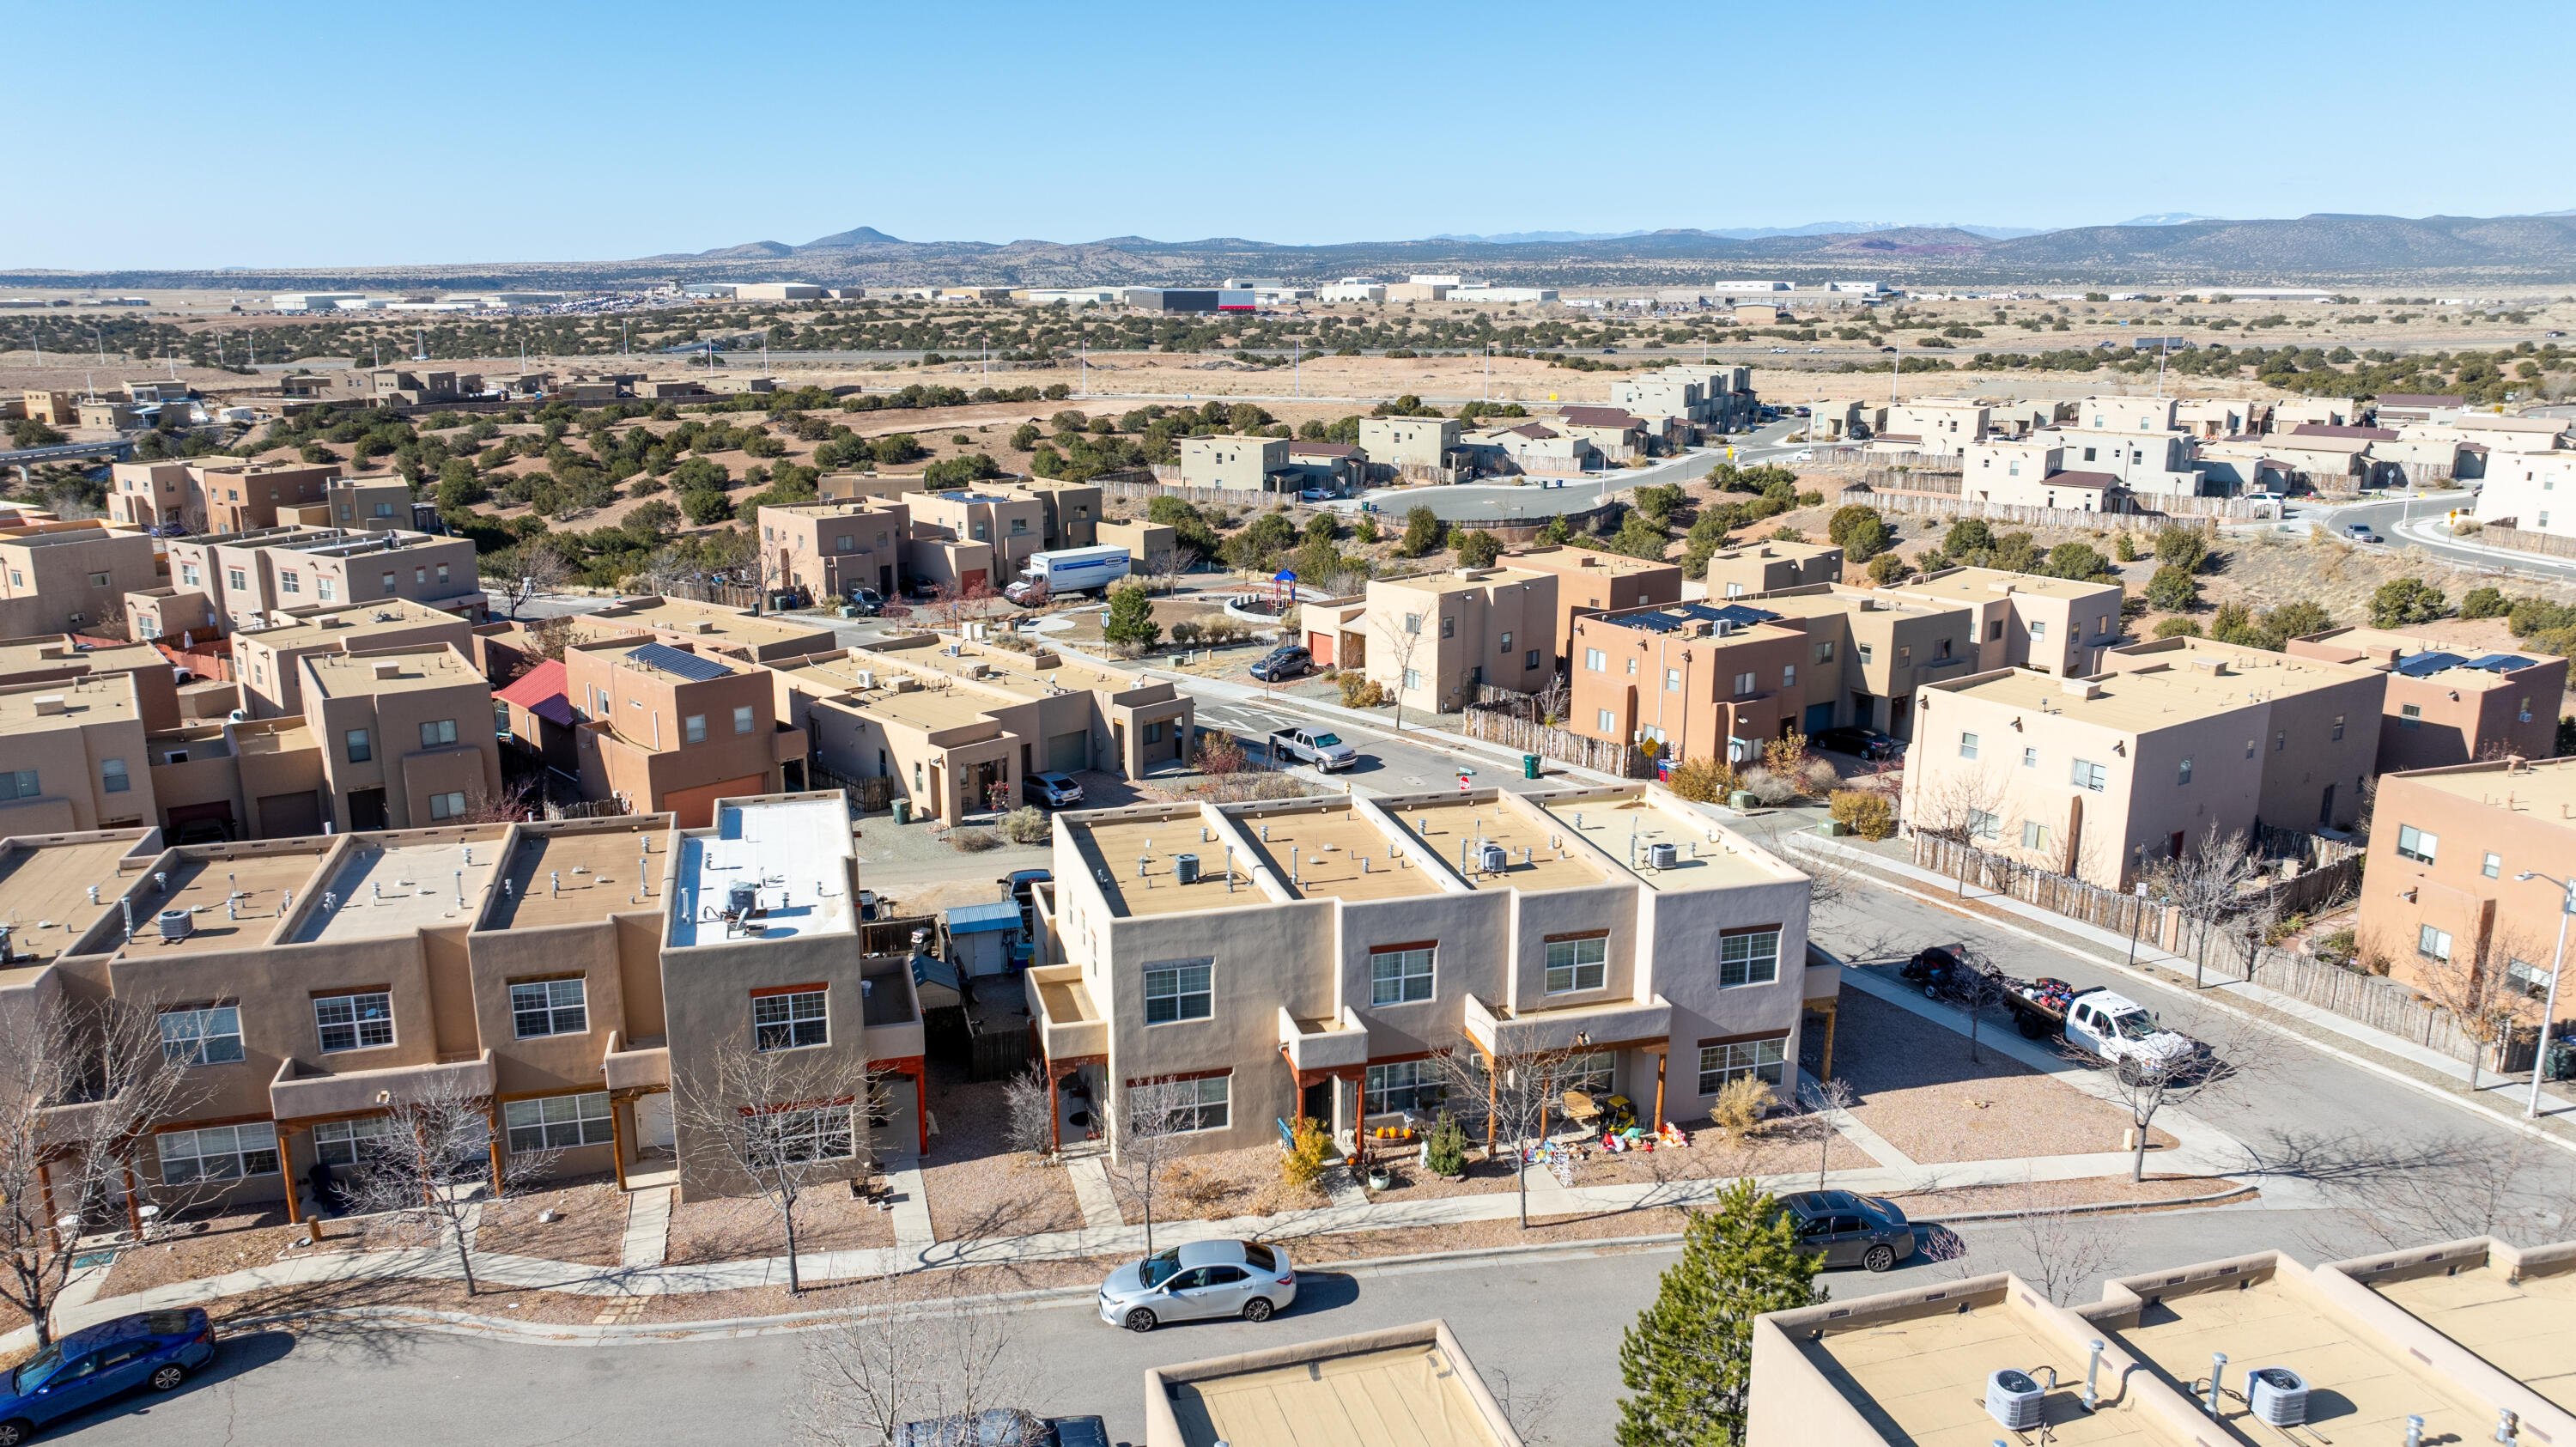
(2523, 1327)
(1837, 602)
(1983, 585)
(1403, 1396)
(87, 701)
(2457, 666)
(349, 624)
(568, 876)
(236, 902)
(679, 615)
(44, 893)
(1576, 559)
(924, 708)
(1333, 852)
(2545, 788)
(51, 651)
(2140, 701)
(791, 851)
(1920, 1379)
(1113, 846)
(1452, 827)
(388, 887)
(413, 670)
(295, 737)
(1451, 582)
(1625, 825)
(2260, 1323)
(1016, 673)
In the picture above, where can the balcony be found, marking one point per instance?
(301, 1092)
(1318, 1046)
(1069, 1024)
(1602, 1023)
(637, 1066)
(1824, 982)
(891, 1012)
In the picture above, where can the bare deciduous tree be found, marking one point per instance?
(1401, 644)
(435, 1162)
(932, 1357)
(1028, 1113)
(1169, 565)
(82, 1087)
(2235, 1055)
(2477, 988)
(781, 1121)
(2065, 1254)
(1513, 1095)
(1147, 1138)
(537, 567)
(2210, 884)
(1962, 805)
(1828, 1101)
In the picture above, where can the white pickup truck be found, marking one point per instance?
(2109, 1026)
(1320, 747)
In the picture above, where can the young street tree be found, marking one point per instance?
(1688, 1361)
(2236, 1054)
(2476, 985)
(1148, 1139)
(1403, 639)
(82, 1087)
(434, 1159)
(2210, 885)
(782, 1121)
(929, 1357)
(1962, 805)
(1514, 1094)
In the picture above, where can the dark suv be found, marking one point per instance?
(1850, 1230)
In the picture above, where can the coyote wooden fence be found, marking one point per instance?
(1499, 725)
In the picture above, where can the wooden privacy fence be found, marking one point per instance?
(1502, 725)
(2521, 540)
(2005, 512)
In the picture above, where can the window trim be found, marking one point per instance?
(1575, 964)
(1406, 978)
(551, 1009)
(1749, 934)
(582, 1123)
(244, 1142)
(788, 1018)
(1722, 1060)
(1179, 995)
(195, 1042)
(357, 1023)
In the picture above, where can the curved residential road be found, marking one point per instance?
(1546, 498)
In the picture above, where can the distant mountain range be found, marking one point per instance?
(2171, 249)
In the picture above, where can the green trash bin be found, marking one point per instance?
(903, 811)
(1529, 766)
(2561, 1060)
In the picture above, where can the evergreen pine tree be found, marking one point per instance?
(1688, 1362)
(1131, 618)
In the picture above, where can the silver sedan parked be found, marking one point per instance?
(1204, 1279)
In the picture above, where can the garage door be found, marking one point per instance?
(285, 816)
(1320, 644)
(1069, 753)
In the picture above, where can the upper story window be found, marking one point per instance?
(112, 778)
(1967, 746)
(790, 1019)
(693, 729)
(549, 1007)
(2415, 844)
(19, 784)
(1400, 975)
(437, 733)
(742, 719)
(1596, 660)
(1748, 957)
(357, 1021)
(208, 1036)
(1825, 651)
(2182, 775)
(2410, 716)
(1448, 627)
(1182, 990)
(1582, 964)
(2090, 775)
(359, 750)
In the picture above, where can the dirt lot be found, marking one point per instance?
(1915, 1085)
(828, 1218)
(1218, 1185)
(591, 1228)
(977, 1187)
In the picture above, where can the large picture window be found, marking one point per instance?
(549, 1007)
(211, 1036)
(1764, 1060)
(2415, 844)
(558, 1122)
(1403, 1085)
(1577, 964)
(1398, 977)
(342, 1142)
(790, 1020)
(354, 1022)
(1204, 1103)
(1593, 1074)
(1749, 958)
(218, 1153)
(822, 1133)
(1179, 991)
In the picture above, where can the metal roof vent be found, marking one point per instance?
(2014, 1400)
(2280, 1396)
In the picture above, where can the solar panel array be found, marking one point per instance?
(687, 665)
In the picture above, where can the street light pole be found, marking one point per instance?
(2557, 967)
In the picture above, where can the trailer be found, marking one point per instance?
(2094, 1019)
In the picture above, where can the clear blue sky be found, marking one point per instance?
(274, 134)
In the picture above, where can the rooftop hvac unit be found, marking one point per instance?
(867, 678)
(2280, 1396)
(1185, 868)
(1493, 858)
(741, 899)
(2014, 1400)
(1662, 856)
(177, 924)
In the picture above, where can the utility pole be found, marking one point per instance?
(2557, 968)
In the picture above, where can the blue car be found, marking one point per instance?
(155, 1349)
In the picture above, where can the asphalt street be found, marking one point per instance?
(1540, 499)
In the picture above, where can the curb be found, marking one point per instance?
(459, 1323)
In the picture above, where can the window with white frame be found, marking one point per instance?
(1746, 683)
(1403, 1085)
(1596, 660)
(2034, 835)
(558, 1122)
(693, 729)
(1400, 976)
(437, 733)
(1788, 675)
(450, 805)
(360, 1021)
(343, 1142)
(1413, 678)
(2410, 716)
(1748, 957)
(1606, 722)
(2493, 867)
(791, 1019)
(355, 741)
(1868, 654)
(1967, 746)
(207, 1036)
(549, 1007)
(112, 778)
(1577, 964)
(1594, 1074)
(2089, 775)
(2415, 844)
(742, 718)
(219, 1153)
(1764, 1060)
(1825, 651)
(1412, 622)
(820, 1133)
(2433, 944)
(1201, 1104)
(1449, 627)
(1672, 680)
(1983, 825)
(2030, 758)
(2527, 977)
(1181, 990)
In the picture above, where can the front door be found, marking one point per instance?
(1864, 711)
(653, 1121)
(366, 809)
(2325, 809)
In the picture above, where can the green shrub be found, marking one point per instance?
(1446, 1148)
(1027, 825)
(2401, 602)
(2173, 589)
(2484, 603)
(2184, 548)
(1864, 812)
(2177, 628)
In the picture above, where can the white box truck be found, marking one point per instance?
(1070, 570)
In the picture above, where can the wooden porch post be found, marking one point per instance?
(286, 1167)
(1489, 1103)
(921, 1104)
(492, 1118)
(133, 1208)
(1833, 1013)
(1055, 1111)
(45, 1183)
(1661, 1057)
(617, 1137)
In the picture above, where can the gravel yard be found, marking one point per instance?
(1913, 1083)
(1212, 1187)
(828, 1218)
(978, 1187)
(591, 1228)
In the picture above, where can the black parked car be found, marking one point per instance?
(1859, 742)
(1005, 1427)
(1288, 660)
(1850, 1230)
